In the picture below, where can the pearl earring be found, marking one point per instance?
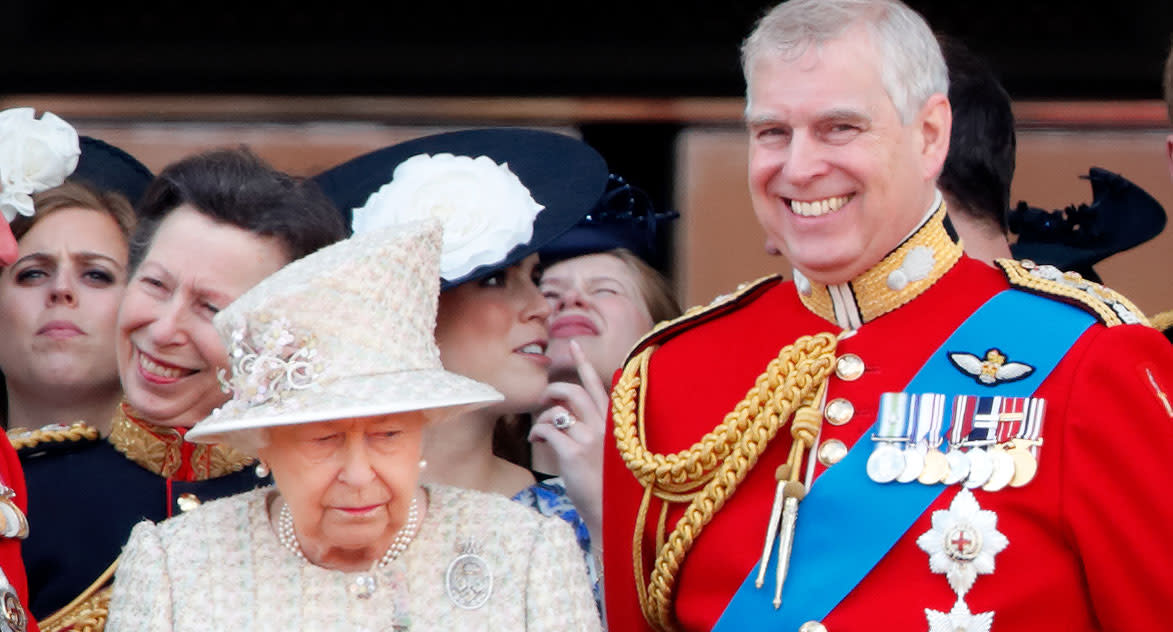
(423, 464)
(262, 470)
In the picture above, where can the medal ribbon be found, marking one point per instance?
(1032, 428)
(919, 422)
(936, 410)
(964, 407)
(831, 554)
(1013, 418)
(985, 421)
(893, 419)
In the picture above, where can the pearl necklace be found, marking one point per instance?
(403, 538)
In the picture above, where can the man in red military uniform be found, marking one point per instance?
(919, 441)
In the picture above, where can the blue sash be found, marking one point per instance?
(831, 553)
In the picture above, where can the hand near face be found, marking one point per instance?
(579, 447)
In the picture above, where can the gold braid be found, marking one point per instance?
(22, 438)
(708, 473)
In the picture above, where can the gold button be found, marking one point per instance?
(831, 452)
(839, 411)
(812, 626)
(849, 367)
(187, 502)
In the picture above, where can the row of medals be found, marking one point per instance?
(991, 467)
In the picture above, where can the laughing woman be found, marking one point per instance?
(336, 378)
(502, 193)
(210, 227)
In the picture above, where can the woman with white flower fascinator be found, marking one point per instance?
(335, 376)
(502, 194)
(36, 154)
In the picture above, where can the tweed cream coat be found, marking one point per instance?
(221, 567)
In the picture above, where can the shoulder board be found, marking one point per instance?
(693, 316)
(77, 432)
(1109, 306)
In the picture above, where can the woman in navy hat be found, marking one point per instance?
(502, 195)
(604, 295)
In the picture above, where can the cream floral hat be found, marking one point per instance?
(345, 332)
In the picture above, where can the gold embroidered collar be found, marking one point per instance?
(162, 450)
(909, 270)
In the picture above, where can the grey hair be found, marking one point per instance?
(911, 65)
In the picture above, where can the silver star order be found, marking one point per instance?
(959, 619)
(963, 517)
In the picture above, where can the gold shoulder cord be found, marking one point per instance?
(88, 611)
(23, 438)
(709, 472)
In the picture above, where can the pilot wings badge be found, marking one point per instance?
(993, 369)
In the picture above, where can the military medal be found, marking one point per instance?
(1010, 417)
(981, 466)
(986, 416)
(886, 462)
(918, 430)
(936, 467)
(962, 544)
(1024, 446)
(1002, 469)
(958, 459)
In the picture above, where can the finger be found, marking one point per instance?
(559, 440)
(575, 399)
(547, 416)
(589, 377)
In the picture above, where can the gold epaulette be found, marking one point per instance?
(1162, 321)
(698, 314)
(24, 438)
(1109, 306)
(88, 611)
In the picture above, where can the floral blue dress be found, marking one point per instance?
(549, 498)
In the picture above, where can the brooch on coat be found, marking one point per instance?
(469, 579)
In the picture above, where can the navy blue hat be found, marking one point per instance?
(1122, 215)
(623, 218)
(108, 168)
(564, 175)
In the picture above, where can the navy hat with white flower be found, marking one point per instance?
(623, 218)
(109, 168)
(502, 193)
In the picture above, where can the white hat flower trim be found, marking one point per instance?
(270, 363)
(485, 209)
(35, 155)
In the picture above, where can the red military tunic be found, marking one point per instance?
(10, 560)
(1089, 537)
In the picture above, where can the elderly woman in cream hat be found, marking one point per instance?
(335, 373)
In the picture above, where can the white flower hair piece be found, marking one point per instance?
(268, 365)
(484, 207)
(35, 155)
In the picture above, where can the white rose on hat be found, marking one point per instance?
(485, 209)
(35, 155)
